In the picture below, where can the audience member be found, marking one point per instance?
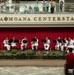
(69, 61)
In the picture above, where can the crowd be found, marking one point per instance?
(47, 6)
(7, 7)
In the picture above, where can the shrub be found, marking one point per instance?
(57, 53)
(14, 51)
(20, 53)
(30, 52)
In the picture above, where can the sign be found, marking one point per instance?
(36, 18)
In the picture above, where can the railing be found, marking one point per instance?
(34, 8)
(69, 7)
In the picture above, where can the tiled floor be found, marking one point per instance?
(27, 70)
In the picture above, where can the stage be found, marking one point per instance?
(32, 62)
(40, 33)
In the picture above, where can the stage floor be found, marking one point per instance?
(33, 62)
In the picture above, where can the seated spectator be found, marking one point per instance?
(69, 61)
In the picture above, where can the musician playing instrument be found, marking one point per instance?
(70, 44)
(13, 43)
(6, 43)
(64, 44)
(46, 44)
(24, 43)
(58, 43)
(34, 43)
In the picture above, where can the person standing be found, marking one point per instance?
(47, 6)
(44, 5)
(61, 5)
(6, 44)
(30, 10)
(52, 6)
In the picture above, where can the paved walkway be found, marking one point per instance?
(31, 70)
(32, 67)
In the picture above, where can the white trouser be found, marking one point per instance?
(22, 45)
(13, 44)
(62, 47)
(46, 46)
(71, 46)
(57, 47)
(7, 46)
(34, 45)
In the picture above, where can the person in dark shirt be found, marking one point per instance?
(24, 43)
(69, 60)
